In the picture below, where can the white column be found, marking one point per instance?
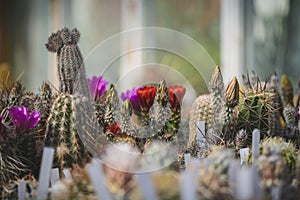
(131, 17)
(232, 39)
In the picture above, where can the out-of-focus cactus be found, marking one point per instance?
(62, 133)
(287, 90)
(276, 121)
(213, 178)
(276, 164)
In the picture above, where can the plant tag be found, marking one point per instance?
(45, 170)
(187, 160)
(146, 186)
(244, 153)
(201, 133)
(247, 184)
(54, 176)
(188, 186)
(97, 179)
(67, 174)
(255, 145)
(22, 190)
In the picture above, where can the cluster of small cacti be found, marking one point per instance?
(151, 113)
(72, 122)
(256, 105)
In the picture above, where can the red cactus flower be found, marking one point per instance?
(146, 96)
(113, 128)
(176, 95)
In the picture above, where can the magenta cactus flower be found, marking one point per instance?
(97, 86)
(23, 120)
(133, 97)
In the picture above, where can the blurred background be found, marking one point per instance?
(239, 35)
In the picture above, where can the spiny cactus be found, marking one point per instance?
(62, 133)
(70, 64)
(202, 107)
(254, 111)
(217, 109)
(277, 162)
(229, 112)
(112, 105)
(216, 89)
(11, 165)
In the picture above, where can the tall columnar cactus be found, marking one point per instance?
(61, 126)
(62, 133)
(70, 64)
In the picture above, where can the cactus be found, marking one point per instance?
(202, 107)
(254, 111)
(276, 121)
(287, 90)
(216, 89)
(217, 109)
(62, 133)
(70, 64)
(229, 112)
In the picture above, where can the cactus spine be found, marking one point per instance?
(62, 133)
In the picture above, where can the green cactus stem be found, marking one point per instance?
(62, 134)
(254, 111)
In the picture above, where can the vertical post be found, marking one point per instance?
(55, 24)
(22, 190)
(236, 37)
(47, 161)
(131, 17)
(255, 145)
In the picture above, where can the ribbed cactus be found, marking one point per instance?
(255, 109)
(202, 107)
(70, 64)
(217, 109)
(62, 133)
